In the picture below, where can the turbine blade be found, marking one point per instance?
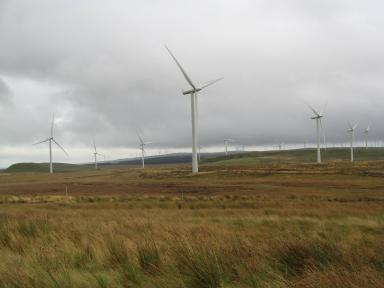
(313, 110)
(354, 127)
(94, 145)
(141, 140)
(41, 141)
(181, 68)
(60, 147)
(369, 127)
(210, 83)
(325, 107)
(52, 124)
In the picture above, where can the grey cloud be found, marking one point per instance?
(5, 93)
(113, 75)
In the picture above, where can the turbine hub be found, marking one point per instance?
(191, 91)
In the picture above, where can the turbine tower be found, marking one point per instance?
(317, 116)
(50, 140)
(142, 148)
(226, 142)
(366, 132)
(95, 154)
(193, 92)
(351, 130)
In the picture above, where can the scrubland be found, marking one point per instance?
(265, 225)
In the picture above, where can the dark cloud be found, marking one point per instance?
(102, 67)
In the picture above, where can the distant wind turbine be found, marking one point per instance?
(366, 132)
(351, 130)
(193, 92)
(142, 148)
(317, 116)
(95, 154)
(50, 140)
(226, 142)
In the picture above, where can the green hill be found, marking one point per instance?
(243, 158)
(44, 167)
(298, 155)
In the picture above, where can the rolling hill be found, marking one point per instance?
(235, 158)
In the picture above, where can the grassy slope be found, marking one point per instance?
(44, 167)
(299, 155)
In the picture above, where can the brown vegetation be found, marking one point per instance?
(260, 226)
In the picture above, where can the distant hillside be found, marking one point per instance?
(43, 167)
(235, 158)
(298, 155)
(174, 158)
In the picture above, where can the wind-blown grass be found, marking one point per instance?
(264, 226)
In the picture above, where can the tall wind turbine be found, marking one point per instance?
(317, 116)
(50, 140)
(226, 142)
(366, 132)
(193, 92)
(95, 154)
(351, 130)
(142, 148)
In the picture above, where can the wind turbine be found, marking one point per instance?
(317, 116)
(50, 140)
(141, 146)
(95, 154)
(193, 92)
(351, 130)
(366, 132)
(226, 142)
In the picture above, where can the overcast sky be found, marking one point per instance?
(102, 68)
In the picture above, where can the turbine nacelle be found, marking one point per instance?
(352, 128)
(191, 91)
(198, 89)
(366, 131)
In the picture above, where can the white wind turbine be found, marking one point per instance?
(351, 130)
(366, 132)
(50, 140)
(95, 154)
(226, 142)
(193, 92)
(317, 116)
(142, 148)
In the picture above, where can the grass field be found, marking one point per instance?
(242, 222)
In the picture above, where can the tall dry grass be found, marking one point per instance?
(210, 242)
